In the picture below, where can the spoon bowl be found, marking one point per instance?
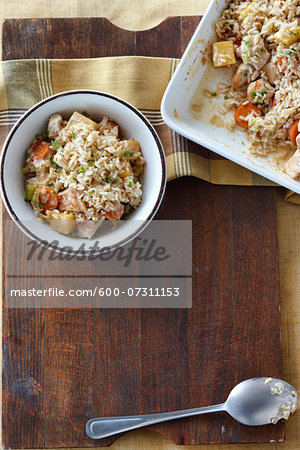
(259, 401)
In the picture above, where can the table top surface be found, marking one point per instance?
(138, 15)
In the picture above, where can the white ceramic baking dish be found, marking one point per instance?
(195, 72)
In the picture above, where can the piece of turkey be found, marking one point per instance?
(55, 125)
(87, 228)
(292, 167)
(254, 52)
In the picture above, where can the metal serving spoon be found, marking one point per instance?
(257, 401)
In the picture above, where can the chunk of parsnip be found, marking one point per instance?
(78, 118)
(223, 54)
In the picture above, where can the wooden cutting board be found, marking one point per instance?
(64, 366)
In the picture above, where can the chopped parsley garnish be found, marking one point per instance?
(276, 29)
(94, 154)
(128, 153)
(90, 192)
(81, 169)
(50, 184)
(264, 93)
(56, 166)
(262, 50)
(55, 143)
(293, 50)
(90, 162)
(129, 184)
(73, 135)
(134, 179)
(214, 94)
(112, 180)
(253, 94)
(243, 142)
(226, 97)
(246, 73)
(248, 43)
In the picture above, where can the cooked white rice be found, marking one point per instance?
(99, 186)
(269, 132)
(100, 169)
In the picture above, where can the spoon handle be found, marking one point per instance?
(102, 427)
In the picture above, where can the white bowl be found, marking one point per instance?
(195, 69)
(132, 124)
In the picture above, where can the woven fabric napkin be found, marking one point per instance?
(139, 80)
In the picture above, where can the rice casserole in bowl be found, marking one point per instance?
(105, 167)
(80, 173)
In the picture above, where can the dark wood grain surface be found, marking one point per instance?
(64, 366)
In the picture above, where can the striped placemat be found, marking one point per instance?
(139, 80)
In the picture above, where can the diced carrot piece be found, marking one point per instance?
(44, 198)
(244, 111)
(294, 131)
(116, 214)
(280, 64)
(40, 150)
